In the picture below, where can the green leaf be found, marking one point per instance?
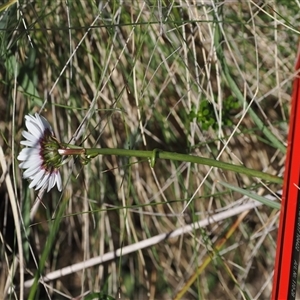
(256, 197)
(98, 296)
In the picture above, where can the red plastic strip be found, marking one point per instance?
(288, 242)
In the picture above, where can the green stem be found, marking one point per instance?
(159, 154)
(48, 248)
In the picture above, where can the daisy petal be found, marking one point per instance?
(33, 129)
(51, 181)
(30, 137)
(31, 171)
(43, 123)
(44, 181)
(58, 181)
(38, 177)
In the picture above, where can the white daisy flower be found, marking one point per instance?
(40, 158)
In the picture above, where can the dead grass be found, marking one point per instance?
(134, 73)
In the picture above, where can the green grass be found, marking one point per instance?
(213, 82)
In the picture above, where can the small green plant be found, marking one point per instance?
(206, 114)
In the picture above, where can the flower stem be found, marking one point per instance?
(159, 154)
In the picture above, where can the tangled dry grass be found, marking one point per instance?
(133, 75)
